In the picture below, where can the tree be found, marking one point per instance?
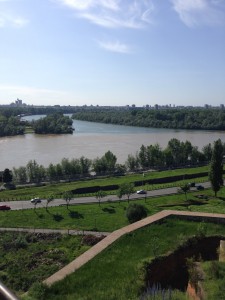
(99, 195)
(136, 212)
(185, 188)
(110, 159)
(127, 189)
(67, 196)
(216, 167)
(120, 194)
(7, 176)
(20, 175)
(48, 200)
(132, 162)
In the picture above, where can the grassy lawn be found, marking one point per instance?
(58, 188)
(116, 272)
(214, 277)
(108, 216)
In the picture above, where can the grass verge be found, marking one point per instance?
(108, 216)
(57, 189)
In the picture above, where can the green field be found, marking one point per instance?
(117, 272)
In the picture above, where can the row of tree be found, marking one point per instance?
(176, 154)
(176, 118)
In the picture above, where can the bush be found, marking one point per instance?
(91, 240)
(136, 212)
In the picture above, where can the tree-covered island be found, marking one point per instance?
(10, 126)
(55, 123)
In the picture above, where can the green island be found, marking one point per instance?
(54, 123)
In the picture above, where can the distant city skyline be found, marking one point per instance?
(112, 52)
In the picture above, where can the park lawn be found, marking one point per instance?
(116, 272)
(108, 216)
(57, 189)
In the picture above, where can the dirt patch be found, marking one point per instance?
(171, 271)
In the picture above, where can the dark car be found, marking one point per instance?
(5, 207)
(200, 187)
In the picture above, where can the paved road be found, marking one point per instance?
(26, 204)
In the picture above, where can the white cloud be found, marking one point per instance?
(113, 13)
(115, 46)
(7, 19)
(200, 12)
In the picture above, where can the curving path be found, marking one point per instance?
(92, 252)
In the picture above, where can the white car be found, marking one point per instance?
(141, 192)
(35, 200)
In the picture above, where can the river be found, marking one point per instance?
(92, 140)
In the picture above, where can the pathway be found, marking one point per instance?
(61, 231)
(103, 244)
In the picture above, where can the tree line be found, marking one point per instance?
(174, 118)
(55, 123)
(176, 154)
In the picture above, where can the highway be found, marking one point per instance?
(26, 204)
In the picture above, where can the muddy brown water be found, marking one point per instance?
(93, 140)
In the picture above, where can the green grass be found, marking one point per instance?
(214, 278)
(27, 258)
(58, 188)
(116, 272)
(108, 216)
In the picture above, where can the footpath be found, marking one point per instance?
(61, 231)
(112, 237)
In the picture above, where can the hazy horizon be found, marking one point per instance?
(112, 52)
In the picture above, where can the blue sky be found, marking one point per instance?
(112, 52)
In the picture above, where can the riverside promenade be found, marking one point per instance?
(111, 238)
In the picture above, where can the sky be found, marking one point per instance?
(112, 52)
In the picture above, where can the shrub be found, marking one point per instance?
(91, 240)
(136, 212)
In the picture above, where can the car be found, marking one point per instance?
(200, 187)
(191, 184)
(35, 200)
(141, 192)
(5, 207)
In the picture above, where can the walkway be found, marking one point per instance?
(61, 231)
(103, 244)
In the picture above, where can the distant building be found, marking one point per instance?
(18, 102)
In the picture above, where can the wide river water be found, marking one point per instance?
(92, 140)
